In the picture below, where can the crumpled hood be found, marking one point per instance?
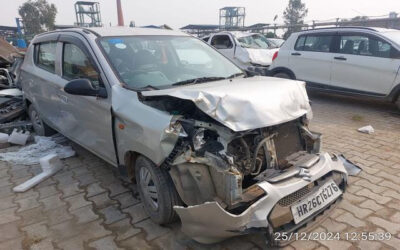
(245, 103)
(261, 56)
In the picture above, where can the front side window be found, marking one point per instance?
(364, 45)
(46, 55)
(221, 42)
(77, 65)
(161, 61)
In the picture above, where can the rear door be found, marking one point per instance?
(86, 119)
(224, 44)
(311, 58)
(364, 64)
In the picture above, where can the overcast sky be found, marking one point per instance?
(178, 13)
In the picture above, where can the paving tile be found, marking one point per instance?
(77, 201)
(14, 244)
(112, 214)
(123, 229)
(70, 189)
(348, 218)
(58, 215)
(9, 231)
(105, 243)
(27, 203)
(126, 200)
(371, 204)
(52, 202)
(152, 230)
(389, 226)
(355, 210)
(84, 214)
(32, 216)
(94, 189)
(36, 231)
(136, 243)
(8, 215)
(7, 202)
(86, 179)
(136, 212)
(378, 198)
(102, 200)
(47, 191)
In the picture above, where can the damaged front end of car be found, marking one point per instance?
(238, 182)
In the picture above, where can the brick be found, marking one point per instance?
(106, 243)
(9, 231)
(27, 203)
(371, 204)
(7, 203)
(70, 189)
(112, 214)
(47, 191)
(353, 198)
(152, 230)
(123, 229)
(52, 202)
(137, 212)
(351, 220)
(374, 188)
(390, 185)
(333, 226)
(102, 200)
(77, 201)
(390, 177)
(370, 178)
(391, 193)
(36, 231)
(391, 227)
(8, 215)
(355, 210)
(94, 189)
(126, 200)
(58, 215)
(84, 214)
(378, 198)
(32, 216)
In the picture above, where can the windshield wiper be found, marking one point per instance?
(235, 75)
(199, 80)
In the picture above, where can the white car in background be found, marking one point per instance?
(349, 60)
(250, 51)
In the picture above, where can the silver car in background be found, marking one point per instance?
(227, 153)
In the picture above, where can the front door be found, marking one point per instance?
(224, 44)
(86, 120)
(363, 63)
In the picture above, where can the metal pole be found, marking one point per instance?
(120, 15)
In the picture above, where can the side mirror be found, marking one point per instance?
(85, 88)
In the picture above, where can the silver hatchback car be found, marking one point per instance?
(227, 153)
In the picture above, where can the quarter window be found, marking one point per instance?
(365, 46)
(46, 55)
(77, 65)
(221, 42)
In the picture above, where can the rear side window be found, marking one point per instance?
(77, 65)
(221, 42)
(315, 43)
(365, 46)
(46, 56)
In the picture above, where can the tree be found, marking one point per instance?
(270, 35)
(293, 16)
(37, 16)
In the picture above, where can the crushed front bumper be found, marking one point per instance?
(210, 223)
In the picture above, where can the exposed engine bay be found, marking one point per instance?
(224, 164)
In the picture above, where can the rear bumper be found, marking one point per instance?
(210, 223)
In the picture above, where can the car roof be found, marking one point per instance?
(123, 31)
(346, 28)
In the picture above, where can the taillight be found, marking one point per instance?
(275, 55)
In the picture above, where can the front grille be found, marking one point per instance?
(292, 198)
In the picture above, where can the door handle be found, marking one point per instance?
(296, 54)
(340, 58)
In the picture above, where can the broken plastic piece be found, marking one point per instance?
(367, 129)
(4, 138)
(351, 168)
(50, 164)
(18, 137)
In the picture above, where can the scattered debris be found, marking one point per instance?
(367, 129)
(351, 168)
(50, 164)
(11, 109)
(14, 92)
(31, 154)
(19, 137)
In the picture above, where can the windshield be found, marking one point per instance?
(161, 61)
(394, 36)
(277, 42)
(254, 41)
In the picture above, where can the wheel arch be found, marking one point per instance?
(283, 70)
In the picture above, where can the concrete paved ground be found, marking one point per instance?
(87, 205)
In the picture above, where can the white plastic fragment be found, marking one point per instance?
(19, 137)
(50, 164)
(4, 138)
(31, 154)
(367, 129)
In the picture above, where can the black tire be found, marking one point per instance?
(39, 126)
(167, 196)
(397, 102)
(283, 75)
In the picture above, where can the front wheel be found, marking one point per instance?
(39, 126)
(397, 102)
(282, 75)
(157, 191)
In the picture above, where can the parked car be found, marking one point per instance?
(228, 154)
(250, 51)
(275, 42)
(348, 60)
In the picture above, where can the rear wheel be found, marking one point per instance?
(157, 191)
(40, 127)
(397, 102)
(283, 75)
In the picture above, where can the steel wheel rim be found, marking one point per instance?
(149, 188)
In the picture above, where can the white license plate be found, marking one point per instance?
(314, 202)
